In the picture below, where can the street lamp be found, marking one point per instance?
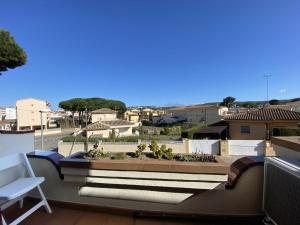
(42, 127)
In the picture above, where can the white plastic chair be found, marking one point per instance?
(17, 189)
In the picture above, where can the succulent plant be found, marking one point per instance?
(140, 149)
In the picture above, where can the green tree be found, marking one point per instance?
(250, 104)
(274, 102)
(11, 54)
(295, 100)
(228, 101)
(80, 104)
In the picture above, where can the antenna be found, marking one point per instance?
(267, 78)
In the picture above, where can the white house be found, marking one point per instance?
(206, 113)
(105, 122)
(104, 129)
(103, 114)
(10, 113)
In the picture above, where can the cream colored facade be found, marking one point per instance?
(120, 131)
(206, 114)
(103, 117)
(259, 130)
(28, 113)
(132, 116)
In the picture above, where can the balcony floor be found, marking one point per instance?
(68, 216)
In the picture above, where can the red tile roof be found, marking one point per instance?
(266, 114)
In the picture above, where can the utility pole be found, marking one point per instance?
(86, 136)
(267, 78)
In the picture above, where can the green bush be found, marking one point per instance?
(189, 133)
(118, 156)
(98, 153)
(286, 132)
(160, 152)
(140, 149)
(195, 157)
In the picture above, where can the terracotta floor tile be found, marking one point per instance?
(119, 220)
(62, 216)
(92, 218)
(147, 222)
(39, 217)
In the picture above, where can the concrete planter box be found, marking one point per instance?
(155, 165)
(160, 181)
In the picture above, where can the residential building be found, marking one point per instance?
(7, 124)
(167, 119)
(206, 113)
(293, 106)
(29, 115)
(132, 116)
(103, 114)
(10, 113)
(146, 114)
(105, 122)
(259, 124)
(2, 114)
(105, 128)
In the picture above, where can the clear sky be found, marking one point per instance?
(153, 52)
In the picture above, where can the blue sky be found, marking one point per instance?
(154, 52)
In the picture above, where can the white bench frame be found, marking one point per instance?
(9, 161)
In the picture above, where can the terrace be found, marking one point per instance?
(89, 191)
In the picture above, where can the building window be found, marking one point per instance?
(245, 129)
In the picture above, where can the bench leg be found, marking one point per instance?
(46, 205)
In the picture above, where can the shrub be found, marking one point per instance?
(98, 153)
(140, 149)
(160, 152)
(196, 157)
(118, 156)
(286, 131)
(169, 154)
(189, 133)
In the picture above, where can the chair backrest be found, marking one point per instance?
(11, 161)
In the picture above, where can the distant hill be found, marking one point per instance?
(238, 103)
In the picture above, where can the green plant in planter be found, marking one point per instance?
(161, 152)
(154, 148)
(98, 153)
(140, 149)
(169, 154)
(119, 156)
(183, 157)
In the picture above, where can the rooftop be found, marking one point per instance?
(194, 107)
(104, 111)
(266, 114)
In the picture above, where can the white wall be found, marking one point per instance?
(15, 143)
(10, 114)
(205, 146)
(246, 147)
